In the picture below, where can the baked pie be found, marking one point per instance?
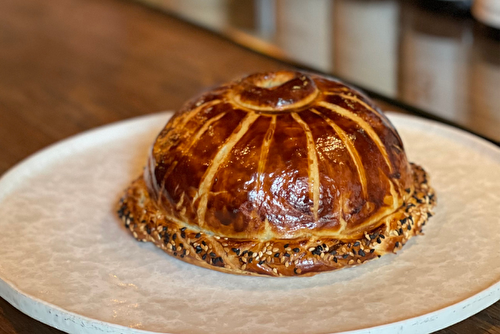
(278, 174)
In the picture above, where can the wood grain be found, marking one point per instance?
(67, 66)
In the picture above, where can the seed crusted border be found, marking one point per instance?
(282, 257)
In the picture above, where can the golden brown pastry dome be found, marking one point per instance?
(278, 174)
(280, 155)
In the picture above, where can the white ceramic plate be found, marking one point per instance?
(68, 262)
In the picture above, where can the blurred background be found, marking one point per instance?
(441, 57)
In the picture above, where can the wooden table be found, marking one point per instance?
(67, 66)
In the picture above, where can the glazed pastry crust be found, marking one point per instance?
(304, 256)
(279, 156)
(278, 174)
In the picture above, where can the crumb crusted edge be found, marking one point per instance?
(279, 257)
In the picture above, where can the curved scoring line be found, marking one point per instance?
(193, 113)
(350, 148)
(201, 131)
(366, 105)
(264, 151)
(220, 157)
(179, 122)
(363, 124)
(313, 169)
(194, 140)
(357, 100)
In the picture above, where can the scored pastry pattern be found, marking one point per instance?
(243, 126)
(219, 159)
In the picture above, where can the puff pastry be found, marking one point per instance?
(278, 174)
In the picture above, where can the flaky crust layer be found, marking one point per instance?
(305, 256)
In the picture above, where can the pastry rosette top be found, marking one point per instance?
(279, 174)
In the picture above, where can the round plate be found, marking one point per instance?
(67, 261)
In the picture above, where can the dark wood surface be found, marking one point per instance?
(67, 66)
